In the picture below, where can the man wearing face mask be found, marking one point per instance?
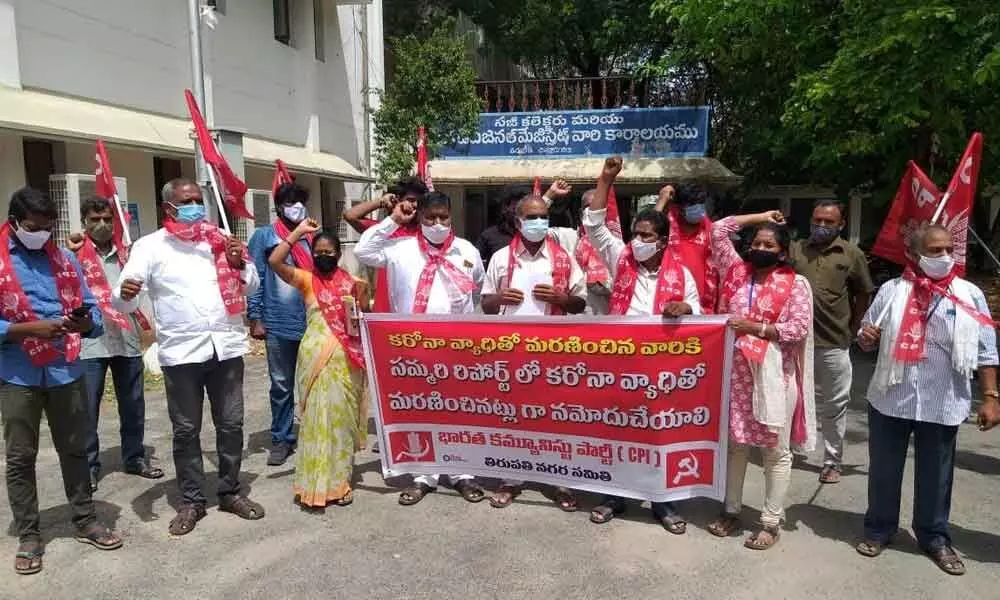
(560, 286)
(277, 313)
(119, 349)
(499, 235)
(434, 272)
(935, 334)
(691, 237)
(837, 270)
(197, 279)
(649, 281)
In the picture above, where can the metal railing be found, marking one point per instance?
(585, 93)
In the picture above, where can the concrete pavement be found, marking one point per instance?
(446, 548)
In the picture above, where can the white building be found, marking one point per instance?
(292, 76)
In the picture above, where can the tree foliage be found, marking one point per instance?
(841, 92)
(433, 85)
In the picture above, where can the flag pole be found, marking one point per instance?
(126, 234)
(218, 200)
(197, 80)
(940, 207)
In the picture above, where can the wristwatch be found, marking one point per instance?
(992, 394)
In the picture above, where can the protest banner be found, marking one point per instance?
(634, 406)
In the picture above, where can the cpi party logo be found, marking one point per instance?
(690, 467)
(412, 446)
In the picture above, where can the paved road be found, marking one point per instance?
(445, 548)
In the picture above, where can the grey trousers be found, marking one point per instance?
(65, 410)
(186, 386)
(833, 376)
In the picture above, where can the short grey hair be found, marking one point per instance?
(528, 199)
(916, 241)
(167, 192)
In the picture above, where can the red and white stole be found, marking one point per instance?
(382, 302)
(767, 302)
(669, 283)
(230, 285)
(16, 308)
(458, 281)
(330, 291)
(704, 241)
(589, 260)
(300, 256)
(558, 259)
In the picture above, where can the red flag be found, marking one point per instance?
(281, 177)
(105, 188)
(917, 200)
(422, 154)
(537, 189)
(233, 188)
(611, 218)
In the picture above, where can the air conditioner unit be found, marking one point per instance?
(260, 203)
(69, 190)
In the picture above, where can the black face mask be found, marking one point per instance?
(325, 263)
(762, 259)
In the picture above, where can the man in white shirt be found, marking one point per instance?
(197, 280)
(648, 280)
(432, 272)
(936, 332)
(558, 286)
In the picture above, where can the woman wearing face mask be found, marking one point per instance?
(329, 374)
(771, 396)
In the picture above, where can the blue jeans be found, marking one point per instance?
(281, 357)
(934, 470)
(127, 375)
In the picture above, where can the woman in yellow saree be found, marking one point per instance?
(329, 375)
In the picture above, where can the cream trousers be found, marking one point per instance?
(777, 476)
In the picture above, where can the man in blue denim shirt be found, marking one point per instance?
(278, 315)
(45, 306)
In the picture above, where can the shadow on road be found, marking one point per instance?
(57, 522)
(143, 503)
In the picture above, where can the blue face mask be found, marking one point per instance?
(534, 230)
(694, 213)
(190, 213)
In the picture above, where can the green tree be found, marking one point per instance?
(433, 85)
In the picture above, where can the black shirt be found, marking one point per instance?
(492, 239)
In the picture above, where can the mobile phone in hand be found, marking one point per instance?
(82, 312)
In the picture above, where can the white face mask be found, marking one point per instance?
(534, 230)
(437, 233)
(32, 240)
(937, 267)
(643, 251)
(296, 213)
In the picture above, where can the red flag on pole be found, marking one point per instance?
(104, 183)
(233, 188)
(918, 201)
(281, 177)
(536, 190)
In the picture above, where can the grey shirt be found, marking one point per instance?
(115, 341)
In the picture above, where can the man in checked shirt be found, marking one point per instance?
(935, 332)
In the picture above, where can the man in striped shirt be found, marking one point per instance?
(934, 333)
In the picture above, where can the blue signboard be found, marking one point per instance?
(637, 132)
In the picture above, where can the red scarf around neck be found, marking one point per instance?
(558, 259)
(767, 301)
(589, 260)
(230, 285)
(702, 240)
(16, 308)
(330, 291)
(669, 283)
(300, 256)
(436, 261)
(912, 335)
(97, 281)
(382, 302)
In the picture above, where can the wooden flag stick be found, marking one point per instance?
(218, 200)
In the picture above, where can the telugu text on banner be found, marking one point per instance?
(633, 406)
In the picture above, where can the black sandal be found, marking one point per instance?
(947, 560)
(504, 496)
(871, 548)
(346, 500)
(607, 510)
(415, 494)
(470, 491)
(99, 537)
(145, 470)
(186, 519)
(669, 518)
(754, 541)
(565, 500)
(725, 525)
(32, 552)
(242, 507)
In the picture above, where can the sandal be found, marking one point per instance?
(947, 560)
(28, 559)
(725, 525)
(145, 470)
(504, 496)
(756, 541)
(346, 500)
(668, 517)
(871, 548)
(565, 500)
(830, 474)
(187, 517)
(607, 510)
(99, 537)
(242, 507)
(470, 491)
(415, 494)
